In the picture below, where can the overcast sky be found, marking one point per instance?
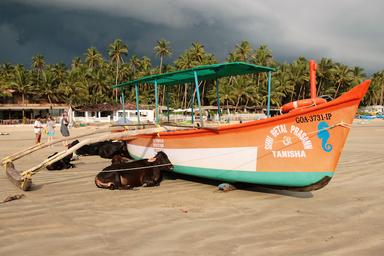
(348, 31)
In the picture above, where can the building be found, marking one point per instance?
(13, 113)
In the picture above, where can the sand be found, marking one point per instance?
(66, 214)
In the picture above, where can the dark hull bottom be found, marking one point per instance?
(315, 186)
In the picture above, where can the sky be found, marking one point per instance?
(348, 31)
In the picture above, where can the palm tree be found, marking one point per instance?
(162, 50)
(48, 88)
(93, 58)
(76, 63)
(21, 83)
(38, 64)
(243, 50)
(197, 52)
(358, 75)
(145, 66)
(116, 51)
(233, 57)
(6, 76)
(263, 56)
(342, 77)
(299, 72)
(376, 90)
(4, 89)
(134, 64)
(324, 74)
(226, 94)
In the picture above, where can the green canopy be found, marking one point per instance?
(206, 72)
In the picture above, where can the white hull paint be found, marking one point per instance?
(235, 159)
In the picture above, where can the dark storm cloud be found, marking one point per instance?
(346, 30)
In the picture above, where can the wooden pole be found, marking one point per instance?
(36, 147)
(24, 179)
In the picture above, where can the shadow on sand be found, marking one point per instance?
(242, 186)
(215, 183)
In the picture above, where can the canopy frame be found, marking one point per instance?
(193, 75)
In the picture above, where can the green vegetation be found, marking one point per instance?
(90, 78)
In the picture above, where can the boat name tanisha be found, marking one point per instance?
(289, 154)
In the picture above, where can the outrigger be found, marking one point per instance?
(297, 150)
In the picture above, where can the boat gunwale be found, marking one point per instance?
(351, 97)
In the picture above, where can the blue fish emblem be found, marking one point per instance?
(324, 135)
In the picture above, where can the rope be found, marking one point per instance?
(136, 168)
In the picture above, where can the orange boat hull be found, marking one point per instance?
(298, 149)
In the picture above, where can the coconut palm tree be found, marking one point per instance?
(6, 76)
(134, 64)
(116, 51)
(299, 72)
(38, 64)
(76, 63)
(324, 74)
(358, 75)
(4, 89)
(21, 83)
(342, 76)
(243, 50)
(262, 56)
(375, 93)
(48, 88)
(93, 58)
(162, 50)
(197, 52)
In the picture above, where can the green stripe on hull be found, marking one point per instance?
(291, 179)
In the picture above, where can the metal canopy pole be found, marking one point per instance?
(198, 98)
(167, 102)
(192, 105)
(157, 102)
(137, 103)
(123, 103)
(269, 94)
(218, 99)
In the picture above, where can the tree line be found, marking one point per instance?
(89, 79)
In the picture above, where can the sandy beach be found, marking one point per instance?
(66, 214)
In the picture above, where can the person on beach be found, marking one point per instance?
(64, 127)
(50, 128)
(37, 128)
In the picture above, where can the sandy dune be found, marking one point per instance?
(66, 214)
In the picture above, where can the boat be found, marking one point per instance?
(297, 150)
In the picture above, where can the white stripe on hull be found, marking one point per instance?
(238, 159)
